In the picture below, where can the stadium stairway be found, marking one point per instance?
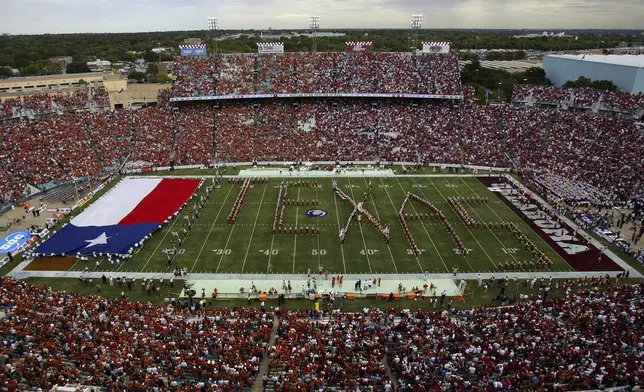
(264, 369)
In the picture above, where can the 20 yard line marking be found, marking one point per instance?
(162, 239)
(210, 231)
(250, 241)
(468, 230)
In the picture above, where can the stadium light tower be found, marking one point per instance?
(416, 24)
(314, 24)
(213, 26)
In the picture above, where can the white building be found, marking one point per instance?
(625, 71)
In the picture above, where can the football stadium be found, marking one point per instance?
(324, 221)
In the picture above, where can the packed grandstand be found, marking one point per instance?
(588, 339)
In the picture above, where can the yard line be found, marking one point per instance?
(424, 227)
(250, 241)
(210, 231)
(317, 223)
(396, 210)
(366, 251)
(337, 215)
(467, 228)
(495, 213)
(162, 239)
(378, 216)
(297, 216)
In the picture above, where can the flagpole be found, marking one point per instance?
(89, 178)
(75, 186)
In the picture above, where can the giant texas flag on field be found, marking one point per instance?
(121, 218)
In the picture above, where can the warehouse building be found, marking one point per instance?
(625, 71)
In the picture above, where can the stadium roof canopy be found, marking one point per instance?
(630, 60)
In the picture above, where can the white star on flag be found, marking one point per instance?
(100, 240)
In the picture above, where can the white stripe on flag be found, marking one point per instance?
(117, 203)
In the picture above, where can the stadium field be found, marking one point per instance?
(249, 245)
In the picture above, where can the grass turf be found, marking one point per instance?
(249, 245)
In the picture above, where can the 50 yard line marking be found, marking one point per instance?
(337, 215)
(210, 231)
(250, 241)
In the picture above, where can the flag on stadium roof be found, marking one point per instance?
(122, 218)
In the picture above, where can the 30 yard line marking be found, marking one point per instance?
(373, 201)
(493, 211)
(337, 215)
(481, 219)
(250, 241)
(394, 207)
(366, 251)
(297, 216)
(212, 226)
(424, 227)
(162, 239)
(467, 228)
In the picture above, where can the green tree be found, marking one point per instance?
(5, 72)
(163, 78)
(77, 67)
(152, 69)
(138, 76)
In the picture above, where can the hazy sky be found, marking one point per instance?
(62, 16)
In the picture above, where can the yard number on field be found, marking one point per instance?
(222, 251)
(411, 251)
(510, 251)
(458, 251)
(369, 252)
(269, 252)
(320, 252)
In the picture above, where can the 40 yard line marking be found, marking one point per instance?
(361, 232)
(373, 201)
(254, 226)
(337, 215)
(210, 231)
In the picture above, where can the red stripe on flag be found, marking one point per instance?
(162, 202)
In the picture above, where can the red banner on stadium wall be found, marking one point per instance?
(359, 47)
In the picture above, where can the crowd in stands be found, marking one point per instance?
(37, 104)
(584, 97)
(580, 342)
(288, 73)
(62, 338)
(589, 339)
(603, 151)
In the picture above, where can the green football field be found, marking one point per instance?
(250, 246)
